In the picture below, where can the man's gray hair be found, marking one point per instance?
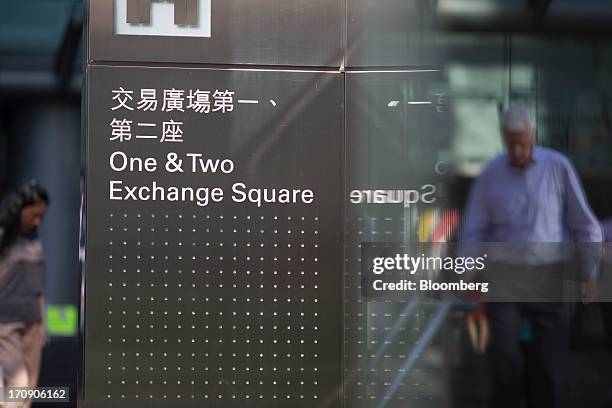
(518, 119)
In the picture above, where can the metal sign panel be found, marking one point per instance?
(397, 135)
(213, 274)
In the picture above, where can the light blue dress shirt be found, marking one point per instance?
(531, 207)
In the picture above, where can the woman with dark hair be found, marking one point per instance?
(22, 333)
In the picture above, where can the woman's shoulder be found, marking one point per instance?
(26, 249)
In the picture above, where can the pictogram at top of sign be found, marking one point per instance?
(302, 33)
(183, 18)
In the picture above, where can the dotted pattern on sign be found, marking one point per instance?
(213, 307)
(380, 335)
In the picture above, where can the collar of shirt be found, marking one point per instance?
(536, 156)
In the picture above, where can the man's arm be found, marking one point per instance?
(580, 219)
(475, 222)
(476, 216)
(585, 229)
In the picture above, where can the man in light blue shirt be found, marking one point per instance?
(529, 195)
(531, 200)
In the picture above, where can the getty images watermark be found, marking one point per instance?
(495, 271)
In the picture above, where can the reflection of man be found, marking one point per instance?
(529, 195)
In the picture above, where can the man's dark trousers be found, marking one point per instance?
(544, 369)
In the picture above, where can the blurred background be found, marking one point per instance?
(408, 128)
(555, 56)
(41, 63)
